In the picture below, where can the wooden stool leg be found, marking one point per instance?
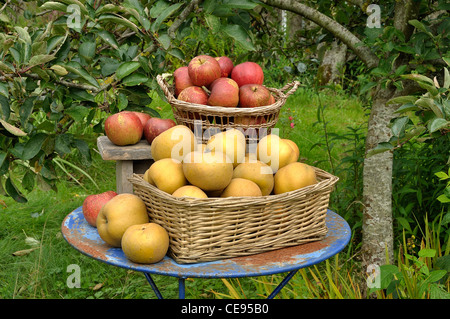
(124, 169)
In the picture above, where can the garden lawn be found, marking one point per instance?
(41, 270)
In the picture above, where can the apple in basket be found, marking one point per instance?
(253, 95)
(181, 79)
(124, 128)
(193, 94)
(226, 65)
(224, 92)
(203, 70)
(247, 73)
(155, 126)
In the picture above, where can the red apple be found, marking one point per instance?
(181, 79)
(250, 120)
(271, 100)
(226, 65)
(156, 126)
(124, 128)
(224, 92)
(92, 205)
(144, 117)
(247, 73)
(253, 95)
(193, 94)
(203, 70)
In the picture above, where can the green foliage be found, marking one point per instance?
(71, 63)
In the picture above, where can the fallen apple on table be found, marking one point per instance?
(119, 213)
(146, 243)
(124, 128)
(155, 126)
(93, 204)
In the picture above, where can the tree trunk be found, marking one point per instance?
(333, 60)
(377, 229)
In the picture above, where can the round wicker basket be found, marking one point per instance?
(216, 228)
(205, 120)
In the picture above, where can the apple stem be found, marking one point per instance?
(206, 90)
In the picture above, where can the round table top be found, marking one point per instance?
(85, 238)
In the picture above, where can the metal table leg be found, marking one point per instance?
(282, 284)
(152, 283)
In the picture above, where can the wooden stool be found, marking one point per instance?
(129, 159)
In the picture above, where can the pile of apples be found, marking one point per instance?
(216, 81)
(122, 221)
(129, 127)
(224, 166)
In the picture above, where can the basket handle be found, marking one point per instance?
(161, 79)
(291, 86)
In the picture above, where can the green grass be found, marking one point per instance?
(42, 272)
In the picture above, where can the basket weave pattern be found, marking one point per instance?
(213, 119)
(209, 229)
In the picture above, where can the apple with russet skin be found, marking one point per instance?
(226, 65)
(224, 92)
(119, 213)
(156, 126)
(193, 94)
(181, 79)
(146, 243)
(248, 73)
(124, 128)
(253, 95)
(203, 70)
(92, 205)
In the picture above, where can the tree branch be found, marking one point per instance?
(183, 15)
(61, 82)
(339, 31)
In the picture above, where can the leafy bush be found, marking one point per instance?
(68, 64)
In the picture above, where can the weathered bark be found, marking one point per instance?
(333, 60)
(377, 229)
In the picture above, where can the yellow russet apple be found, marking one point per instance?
(174, 143)
(208, 171)
(294, 147)
(294, 176)
(146, 243)
(230, 142)
(189, 191)
(146, 177)
(241, 187)
(257, 172)
(275, 152)
(167, 174)
(119, 213)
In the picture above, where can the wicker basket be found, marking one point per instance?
(205, 120)
(216, 228)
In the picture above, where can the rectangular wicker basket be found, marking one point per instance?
(206, 120)
(210, 229)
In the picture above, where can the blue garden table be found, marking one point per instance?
(84, 238)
